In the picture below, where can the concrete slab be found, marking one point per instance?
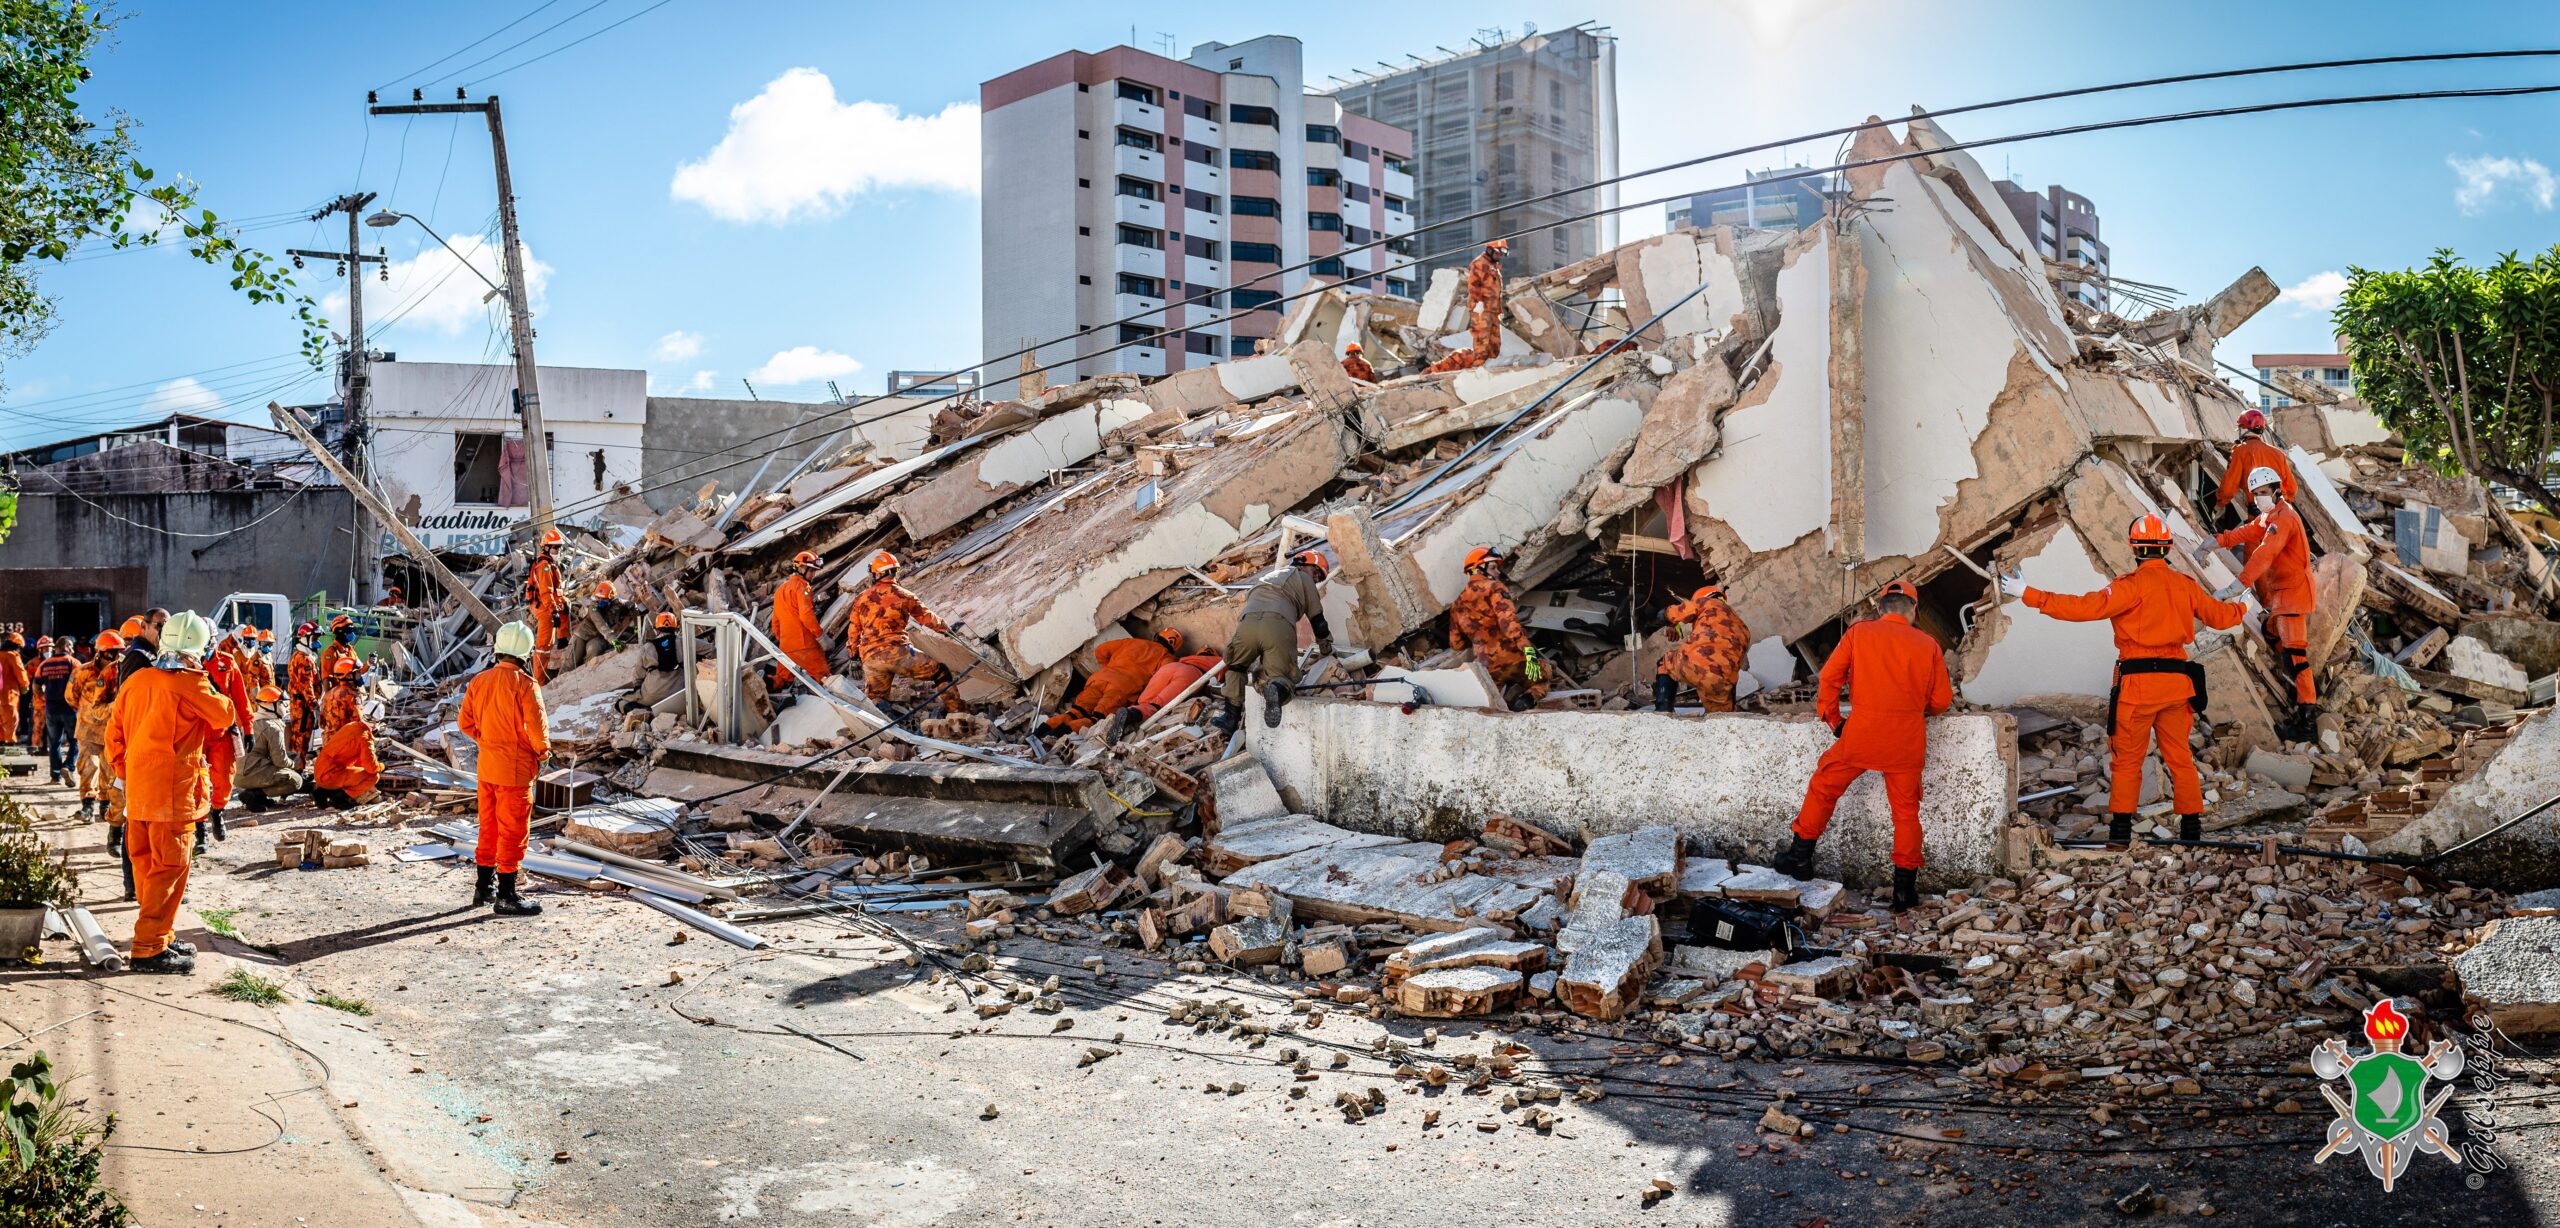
(2521, 776)
(1649, 858)
(2513, 974)
(1240, 845)
(1398, 883)
(1012, 463)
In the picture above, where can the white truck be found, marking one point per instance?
(266, 612)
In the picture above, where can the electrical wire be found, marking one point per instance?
(528, 15)
(519, 42)
(574, 42)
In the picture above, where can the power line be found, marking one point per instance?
(574, 42)
(469, 45)
(520, 42)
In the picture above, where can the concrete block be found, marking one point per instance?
(2533, 644)
(1402, 883)
(1648, 857)
(2468, 658)
(1832, 976)
(1701, 876)
(1478, 946)
(2519, 777)
(1249, 942)
(1604, 975)
(2291, 771)
(1453, 993)
(2513, 974)
(1716, 965)
(1244, 792)
(1239, 845)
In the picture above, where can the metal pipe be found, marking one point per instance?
(702, 921)
(95, 946)
(611, 858)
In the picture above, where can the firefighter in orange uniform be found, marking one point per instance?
(1357, 367)
(262, 659)
(1169, 681)
(795, 623)
(502, 712)
(91, 693)
(1123, 668)
(2158, 691)
(13, 684)
(542, 595)
(1707, 655)
(1484, 310)
(155, 745)
(1897, 679)
(1486, 622)
(302, 687)
(347, 767)
(341, 647)
(340, 704)
(878, 629)
(222, 752)
(2279, 568)
(2248, 456)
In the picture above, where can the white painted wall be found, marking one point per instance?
(2037, 655)
(1772, 483)
(1027, 245)
(419, 407)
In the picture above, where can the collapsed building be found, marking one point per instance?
(1898, 393)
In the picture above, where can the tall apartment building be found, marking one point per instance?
(1498, 124)
(2064, 227)
(1120, 181)
(2330, 371)
(1764, 202)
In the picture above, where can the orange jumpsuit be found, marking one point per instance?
(2252, 453)
(2280, 570)
(2155, 609)
(222, 753)
(1713, 643)
(1126, 666)
(347, 761)
(88, 694)
(878, 628)
(1358, 368)
(13, 683)
(1486, 621)
(338, 707)
(1484, 316)
(302, 686)
(155, 744)
(502, 711)
(1897, 679)
(795, 631)
(542, 592)
(1169, 680)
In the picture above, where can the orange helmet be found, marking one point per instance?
(1899, 588)
(1484, 557)
(2147, 530)
(132, 627)
(1171, 637)
(109, 641)
(1498, 246)
(1311, 559)
(807, 559)
(347, 667)
(665, 621)
(604, 590)
(551, 537)
(883, 563)
(265, 636)
(268, 695)
(1706, 591)
(16, 640)
(341, 623)
(1351, 348)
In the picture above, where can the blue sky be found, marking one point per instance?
(714, 190)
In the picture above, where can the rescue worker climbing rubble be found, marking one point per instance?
(502, 713)
(2158, 691)
(1122, 668)
(2248, 456)
(1706, 654)
(1897, 679)
(542, 596)
(1355, 366)
(1485, 621)
(1484, 310)
(795, 623)
(156, 737)
(878, 629)
(2279, 568)
(1265, 642)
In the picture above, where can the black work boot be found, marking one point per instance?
(1666, 692)
(200, 837)
(2119, 831)
(1275, 696)
(509, 904)
(1227, 719)
(1797, 861)
(486, 889)
(2191, 827)
(115, 840)
(187, 949)
(219, 831)
(124, 854)
(169, 962)
(255, 801)
(1906, 889)
(1123, 723)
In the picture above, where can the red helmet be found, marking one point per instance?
(1899, 588)
(1311, 559)
(2147, 530)
(2252, 420)
(1487, 557)
(307, 629)
(806, 559)
(883, 563)
(666, 620)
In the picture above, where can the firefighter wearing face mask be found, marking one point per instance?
(2279, 568)
(2251, 454)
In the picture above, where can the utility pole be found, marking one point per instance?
(293, 425)
(537, 451)
(359, 377)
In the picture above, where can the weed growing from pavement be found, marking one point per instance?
(352, 1006)
(245, 986)
(219, 920)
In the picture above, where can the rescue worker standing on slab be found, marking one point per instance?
(1897, 679)
(1484, 310)
(267, 772)
(302, 688)
(2158, 691)
(2248, 456)
(1357, 367)
(878, 629)
(502, 712)
(795, 623)
(1121, 670)
(1485, 621)
(1710, 642)
(155, 745)
(91, 693)
(1266, 637)
(542, 596)
(2280, 569)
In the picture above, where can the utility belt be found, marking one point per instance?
(2193, 671)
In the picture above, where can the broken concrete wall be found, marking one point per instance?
(2523, 775)
(1732, 781)
(1771, 484)
(1654, 273)
(976, 483)
(2017, 653)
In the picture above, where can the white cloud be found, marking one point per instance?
(2484, 179)
(181, 396)
(434, 291)
(804, 364)
(700, 383)
(2318, 293)
(679, 345)
(795, 150)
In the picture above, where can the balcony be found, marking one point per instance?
(1203, 177)
(1131, 258)
(1135, 360)
(1205, 225)
(1138, 212)
(1131, 113)
(1200, 131)
(1124, 306)
(1398, 183)
(1138, 163)
(1199, 273)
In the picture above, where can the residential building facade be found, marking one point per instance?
(1790, 198)
(2064, 227)
(1498, 124)
(2327, 370)
(449, 455)
(1122, 183)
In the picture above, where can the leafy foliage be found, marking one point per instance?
(32, 873)
(50, 1156)
(246, 986)
(8, 513)
(68, 180)
(2464, 363)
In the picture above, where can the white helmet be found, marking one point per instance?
(2263, 477)
(515, 640)
(188, 635)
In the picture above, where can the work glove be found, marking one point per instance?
(2012, 584)
(1324, 648)
(2229, 591)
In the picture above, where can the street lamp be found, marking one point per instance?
(384, 219)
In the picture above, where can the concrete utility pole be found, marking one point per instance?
(293, 425)
(359, 378)
(537, 450)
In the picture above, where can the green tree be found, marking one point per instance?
(2464, 363)
(68, 179)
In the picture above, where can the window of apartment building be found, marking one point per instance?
(1194, 198)
(1358, 234)
(1399, 287)
(1249, 300)
(1355, 151)
(1318, 177)
(1132, 334)
(1401, 245)
(1555, 95)
(1563, 246)
(1201, 249)
(1198, 107)
(1140, 236)
(1328, 267)
(1556, 168)
(1400, 166)
(2335, 377)
(475, 466)
(1135, 139)
(1138, 93)
(1142, 286)
(1241, 113)
(1253, 160)
(1256, 253)
(1502, 86)
(1323, 134)
(1200, 343)
(1355, 192)
(1205, 155)
(1506, 159)
(1325, 221)
(1256, 206)
(1397, 204)
(1139, 188)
